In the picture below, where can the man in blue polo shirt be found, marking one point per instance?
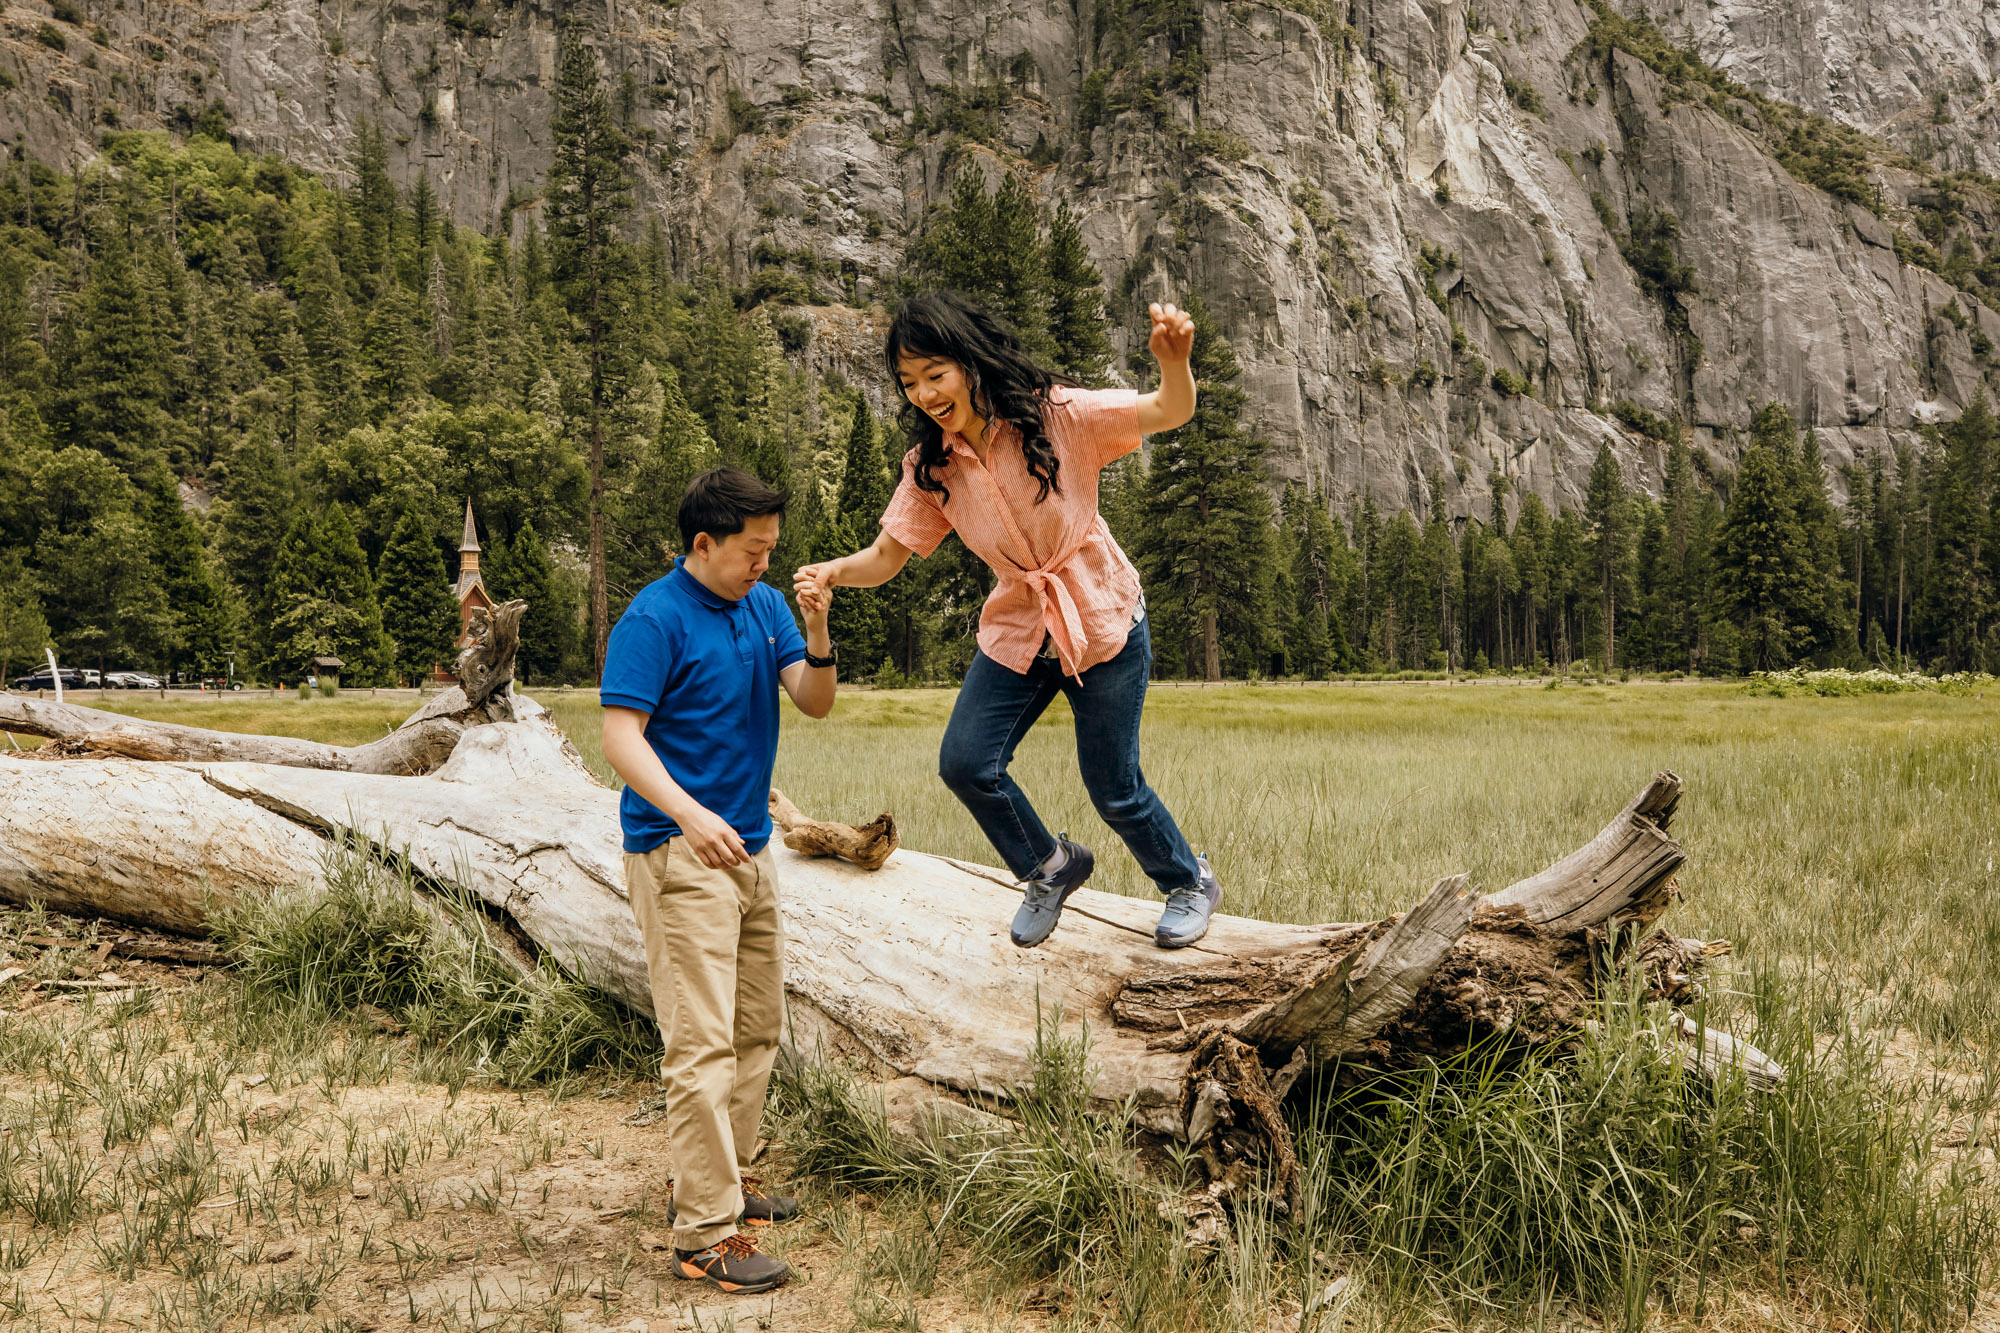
(690, 695)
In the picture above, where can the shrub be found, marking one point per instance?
(1510, 384)
(375, 936)
(1838, 682)
(1523, 94)
(50, 36)
(1649, 424)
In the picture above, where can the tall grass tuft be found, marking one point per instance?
(1608, 1176)
(424, 956)
(1611, 1174)
(1048, 1191)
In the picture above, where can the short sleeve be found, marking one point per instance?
(637, 662)
(915, 517)
(785, 631)
(1103, 423)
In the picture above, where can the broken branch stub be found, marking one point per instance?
(867, 845)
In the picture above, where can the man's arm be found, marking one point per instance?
(812, 688)
(714, 843)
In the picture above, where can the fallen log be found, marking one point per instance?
(906, 969)
(420, 745)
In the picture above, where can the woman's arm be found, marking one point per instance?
(864, 569)
(1172, 341)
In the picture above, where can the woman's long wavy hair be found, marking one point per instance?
(1006, 383)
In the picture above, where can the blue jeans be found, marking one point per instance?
(996, 707)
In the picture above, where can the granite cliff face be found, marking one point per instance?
(1443, 251)
(1922, 75)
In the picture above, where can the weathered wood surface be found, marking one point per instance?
(137, 842)
(80, 731)
(896, 958)
(423, 743)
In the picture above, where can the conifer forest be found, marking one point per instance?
(242, 409)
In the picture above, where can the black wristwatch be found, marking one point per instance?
(827, 661)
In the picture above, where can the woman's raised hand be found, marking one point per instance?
(1173, 332)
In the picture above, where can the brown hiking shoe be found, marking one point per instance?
(759, 1209)
(733, 1266)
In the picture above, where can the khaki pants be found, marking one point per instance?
(715, 945)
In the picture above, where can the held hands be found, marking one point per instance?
(815, 582)
(815, 599)
(714, 843)
(1173, 333)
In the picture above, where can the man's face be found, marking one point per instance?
(732, 565)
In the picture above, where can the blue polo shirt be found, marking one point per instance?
(705, 671)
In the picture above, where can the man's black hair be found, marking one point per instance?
(719, 502)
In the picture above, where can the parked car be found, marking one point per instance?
(72, 679)
(131, 680)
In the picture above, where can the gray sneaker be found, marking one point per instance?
(1188, 910)
(1042, 903)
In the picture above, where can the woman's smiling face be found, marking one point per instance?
(937, 386)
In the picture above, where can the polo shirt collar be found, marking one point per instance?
(696, 589)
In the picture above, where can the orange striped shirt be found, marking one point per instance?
(1061, 573)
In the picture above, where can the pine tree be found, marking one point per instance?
(1827, 619)
(1075, 302)
(374, 208)
(1957, 604)
(253, 513)
(1321, 567)
(988, 248)
(856, 619)
(547, 624)
(202, 637)
(1567, 550)
(24, 631)
(1606, 510)
(1396, 634)
(1530, 546)
(94, 563)
(865, 483)
(589, 194)
(419, 613)
(1438, 598)
(117, 399)
(326, 326)
(393, 353)
(1206, 546)
(1762, 577)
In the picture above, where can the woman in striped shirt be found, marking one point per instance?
(1007, 455)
